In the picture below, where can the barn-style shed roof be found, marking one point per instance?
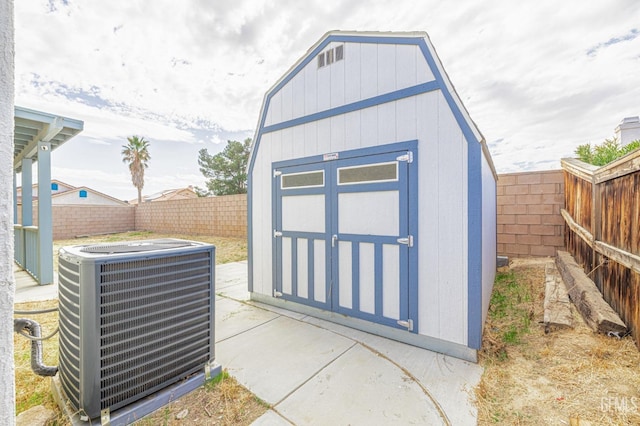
(419, 38)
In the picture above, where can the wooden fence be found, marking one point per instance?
(602, 215)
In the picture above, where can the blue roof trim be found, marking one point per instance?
(474, 210)
(336, 38)
(474, 255)
(460, 119)
(249, 233)
(355, 106)
(373, 40)
(309, 57)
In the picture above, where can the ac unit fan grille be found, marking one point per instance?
(138, 294)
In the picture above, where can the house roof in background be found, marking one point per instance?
(59, 182)
(167, 194)
(70, 189)
(93, 191)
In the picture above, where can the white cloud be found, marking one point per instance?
(216, 140)
(539, 77)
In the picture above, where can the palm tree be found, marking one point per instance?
(136, 153)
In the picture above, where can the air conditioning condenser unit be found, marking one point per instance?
(136, 326)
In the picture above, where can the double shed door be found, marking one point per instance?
(342, 236)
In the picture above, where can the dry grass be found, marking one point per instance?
(227, 249)
(221, 401)
(32, 390)
(533, 378)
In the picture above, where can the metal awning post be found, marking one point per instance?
(15, 197)
(45, 221)
(27, 193)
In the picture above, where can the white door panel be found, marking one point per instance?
(319, 272)
(367, 278)
(303, 269)
(369, 213)
(345, 294)
(304, 213)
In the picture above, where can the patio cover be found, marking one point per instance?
(36, 134)
(32, 127)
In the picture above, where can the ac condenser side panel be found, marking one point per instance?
(89, 361)
(69, 324)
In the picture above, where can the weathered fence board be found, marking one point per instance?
(578, 200)
(602, 216)
(620, 215)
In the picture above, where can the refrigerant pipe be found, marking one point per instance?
(20, 324)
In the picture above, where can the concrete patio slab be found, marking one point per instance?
(360, 388)
(274, 359)
(231, 280)
(450, 381)
(28, 290)
(233, 318)
(280, 311)
(270, 418)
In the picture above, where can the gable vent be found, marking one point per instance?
(330, 56)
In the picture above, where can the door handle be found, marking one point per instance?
(334, 238)
(407, 241)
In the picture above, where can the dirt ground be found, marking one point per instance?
(566, 377)
(220, 402)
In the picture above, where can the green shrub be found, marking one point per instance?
(606, 152)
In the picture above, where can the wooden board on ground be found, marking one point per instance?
(588, 300)
(557, 306)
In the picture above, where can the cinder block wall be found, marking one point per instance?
(74, 221)
(224, 216)
(71, 221)
(529, 220)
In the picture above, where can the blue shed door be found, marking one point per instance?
(342, 236)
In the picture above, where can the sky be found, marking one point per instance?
(538, 77)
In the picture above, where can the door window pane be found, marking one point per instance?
(368, 173)
(303, 180)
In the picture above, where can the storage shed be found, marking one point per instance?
(372, 194)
